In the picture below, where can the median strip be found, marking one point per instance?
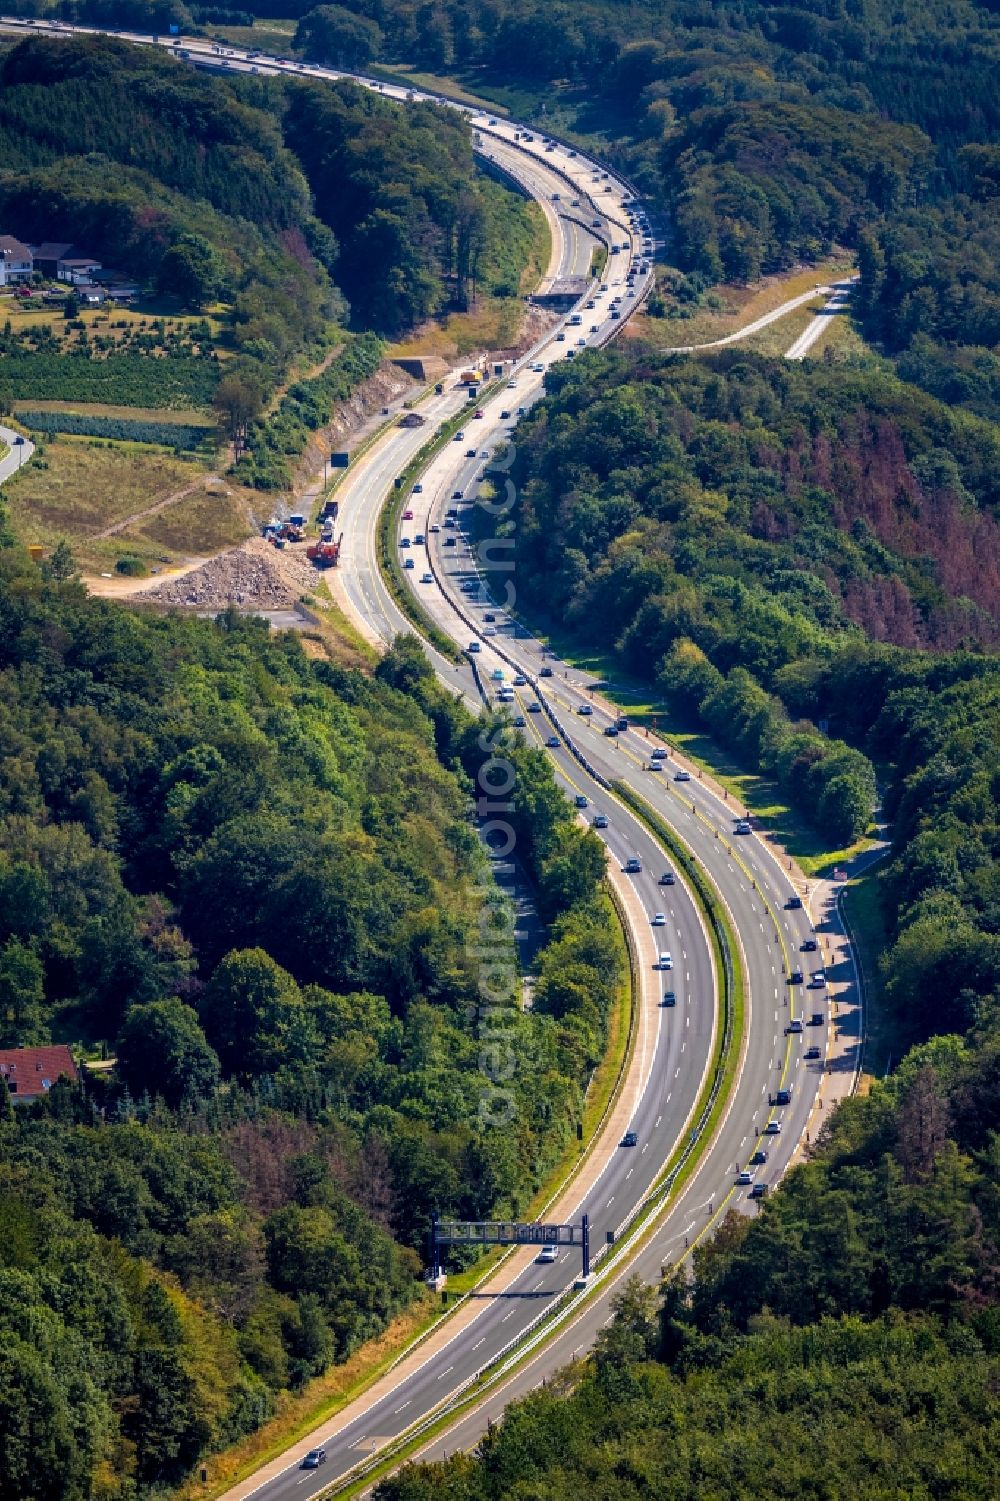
(388, 526)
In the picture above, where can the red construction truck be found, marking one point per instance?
(325, 554)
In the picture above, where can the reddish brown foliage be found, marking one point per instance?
(954, 545)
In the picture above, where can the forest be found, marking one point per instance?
(273, 198)
(843, 1342)
(773, 546)
(204, 203)
(764, 135)
(732, 521)
(253, 880)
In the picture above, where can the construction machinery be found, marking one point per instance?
(325, 554)
(280, 532)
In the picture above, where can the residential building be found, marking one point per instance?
(31, 1072)
(79, 270)
(16, 264)
(49, 254)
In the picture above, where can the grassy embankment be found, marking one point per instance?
(76, 487)
(863, 911)
(568, 107)
(494, 323)
(778, 337)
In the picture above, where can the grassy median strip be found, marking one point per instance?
(728, 962)
(388, 527)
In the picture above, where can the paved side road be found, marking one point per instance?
(838, 303)
(18, 454)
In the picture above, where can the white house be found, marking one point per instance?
(16, 264)
(79, 270)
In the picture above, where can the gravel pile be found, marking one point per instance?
(253, 576)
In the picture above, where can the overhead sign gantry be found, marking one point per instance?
(507, 1233)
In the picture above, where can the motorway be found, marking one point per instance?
(451, 579)
(749, 878)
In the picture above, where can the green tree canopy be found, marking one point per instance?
(333, 35)
(163, 1050)
(192, 270)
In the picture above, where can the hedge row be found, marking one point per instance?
(126, 429)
